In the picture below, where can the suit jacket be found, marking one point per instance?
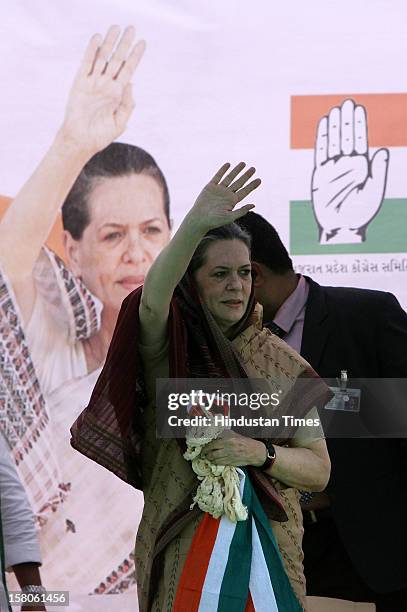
(18, 536)
(365, 333)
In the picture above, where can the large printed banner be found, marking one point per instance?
(306, 92)
(357, 206)
(353, 207)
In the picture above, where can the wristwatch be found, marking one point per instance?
(271, 455)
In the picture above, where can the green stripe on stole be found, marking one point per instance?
(235, 584)
(285, 596)
(234, 590)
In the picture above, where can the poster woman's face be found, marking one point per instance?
(127, 230)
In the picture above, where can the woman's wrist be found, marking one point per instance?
(194, 226)
(68, 148)
(260, 453)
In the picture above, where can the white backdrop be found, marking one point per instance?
(217, 84)
(214, 85)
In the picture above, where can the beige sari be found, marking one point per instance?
(167, 527)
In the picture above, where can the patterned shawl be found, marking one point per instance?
(110, 430)
(24, 418)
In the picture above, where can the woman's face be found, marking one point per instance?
(127, 230)
(224, 281)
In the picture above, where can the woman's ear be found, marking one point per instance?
(72, 253)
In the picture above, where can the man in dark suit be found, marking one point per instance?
(355, 540)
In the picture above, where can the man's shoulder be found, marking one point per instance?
(352, 295)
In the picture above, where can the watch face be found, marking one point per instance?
(271, 451)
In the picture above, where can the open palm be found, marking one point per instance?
(215, 205)
(347, 187)
(100, 101)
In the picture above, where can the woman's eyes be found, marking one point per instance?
(222, 273)
(152, 229)
(113, 236)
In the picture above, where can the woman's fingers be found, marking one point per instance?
(241, 212)
(106, 49)
(89, 58)
(215, 445)
(236, 185)
(242, 179)
(233, 174)
(220, 460)
(216, 454)
(119, 55)
(128, 67)
(221, 195)
(244, 192)
(106, 57)
(220, 173)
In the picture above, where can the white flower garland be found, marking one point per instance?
(218, 492)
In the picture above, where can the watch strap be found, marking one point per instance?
(271, 455)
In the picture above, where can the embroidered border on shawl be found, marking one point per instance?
(24, 418)
(83, 308)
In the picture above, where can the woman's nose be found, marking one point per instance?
(234, 282)
(134, 250)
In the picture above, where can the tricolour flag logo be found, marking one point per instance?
(351, 156)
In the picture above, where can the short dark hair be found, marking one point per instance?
(118, 159)
(267, 247)
(227, 232)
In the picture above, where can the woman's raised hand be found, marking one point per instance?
(215, 205)
(100, 102)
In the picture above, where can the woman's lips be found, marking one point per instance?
(132, 282)
(233, 303)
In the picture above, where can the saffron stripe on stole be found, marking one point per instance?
(249, 606)
(261, 588)
(196, 565)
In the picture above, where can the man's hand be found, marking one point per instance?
(29, 573)
(233, 449)
(347, 187)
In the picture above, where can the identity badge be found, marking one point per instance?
(344, 399)
(347, 400)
